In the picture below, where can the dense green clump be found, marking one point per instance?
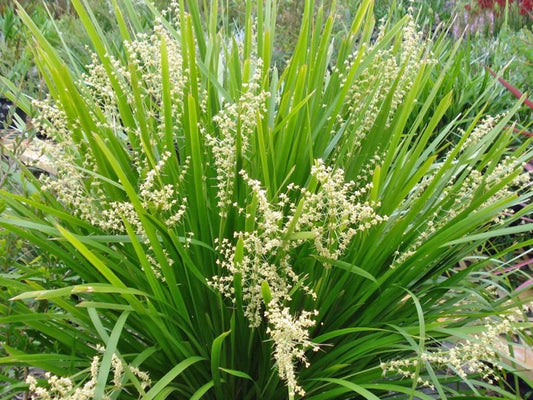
(230, 230)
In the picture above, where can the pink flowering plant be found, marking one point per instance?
(525, 7)
(225, 230)
(488, 17)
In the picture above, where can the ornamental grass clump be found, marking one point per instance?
(228, 230)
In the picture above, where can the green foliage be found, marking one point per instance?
(472, 84)
(16, 61)
(213, 220)
(58, 22)
(491, 37)
(507, 55)
(522, 45)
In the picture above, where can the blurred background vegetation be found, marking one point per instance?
(492, 37)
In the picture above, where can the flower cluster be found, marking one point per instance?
(144, 59)
(236, 123)
(291, 336)
(75, 183)
(61, 388)
(157, 172)
(479, 355)
(266, 258)
(157, 198)
(472, 183)
(406, 369)
(482, 179)
(334, 214)
(393, 70)
(328, 215)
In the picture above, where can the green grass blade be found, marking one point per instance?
(170, 376)
(110, 350)
(202, 390)
(352, 386)
(216, 349)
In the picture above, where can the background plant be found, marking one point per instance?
(223, 216)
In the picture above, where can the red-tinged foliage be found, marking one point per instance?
(525, 285)
(489, 4)
(485, 3)
(523, 132)
(502, 3)
(519, 265)
(525, 6)
(517, 93)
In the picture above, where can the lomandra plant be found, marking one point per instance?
(226, 230)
